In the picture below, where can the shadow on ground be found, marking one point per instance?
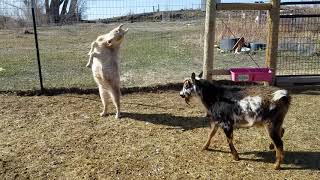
(302, 160)
(181, 122)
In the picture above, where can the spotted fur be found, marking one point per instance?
(231, 107)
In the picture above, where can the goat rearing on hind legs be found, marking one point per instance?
(104, 62)
(236, 107)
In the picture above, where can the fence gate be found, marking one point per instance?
(299, 43)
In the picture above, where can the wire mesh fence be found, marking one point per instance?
(299, 40)
(160, 47)
(18, 69)
(164, 43)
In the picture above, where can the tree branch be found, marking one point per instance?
(64, 7)
(46, 4)
(9, 4)
(73, 7)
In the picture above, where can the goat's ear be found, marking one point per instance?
(201, 74)
(193, 77)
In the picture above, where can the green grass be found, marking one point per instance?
(152, 53)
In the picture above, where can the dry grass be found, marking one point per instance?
(47, 137)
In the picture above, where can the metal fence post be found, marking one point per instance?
(36, 42)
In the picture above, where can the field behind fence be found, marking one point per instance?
(164, 43)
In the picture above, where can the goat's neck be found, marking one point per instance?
(211, 94)
(112, 51)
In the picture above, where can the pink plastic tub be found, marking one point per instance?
(251, 74)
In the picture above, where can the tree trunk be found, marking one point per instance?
(73, 13)
(64, 11)
(53, 10)
(46, 5)
(64, 7)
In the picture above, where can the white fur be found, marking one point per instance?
(104, 56)
(249, 105)
(279, 94)
(253, 103)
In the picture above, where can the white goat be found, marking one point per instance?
(104, 62)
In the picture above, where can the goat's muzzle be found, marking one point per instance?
(185, 97)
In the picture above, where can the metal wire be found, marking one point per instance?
(299, 43)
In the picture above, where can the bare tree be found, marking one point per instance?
(82, 8)
(75, 9)
(20, 12)
(46, 11)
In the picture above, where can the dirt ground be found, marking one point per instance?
(159, 137)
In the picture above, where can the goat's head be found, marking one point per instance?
(189, 87)
(115, 37)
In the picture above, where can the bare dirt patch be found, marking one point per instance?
(159, 137)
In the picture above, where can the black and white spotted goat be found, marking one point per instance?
(231, 107)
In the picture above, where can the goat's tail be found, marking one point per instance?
(281, 97)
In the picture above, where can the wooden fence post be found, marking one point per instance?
(272, 41)
(209, 37)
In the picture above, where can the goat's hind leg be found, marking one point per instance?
(103, 95)
(229, 134)
(115, 94)
(214, 128)
(271, 146)
(275, 135)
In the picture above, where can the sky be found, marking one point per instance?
(99, 9)
(110, 8)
